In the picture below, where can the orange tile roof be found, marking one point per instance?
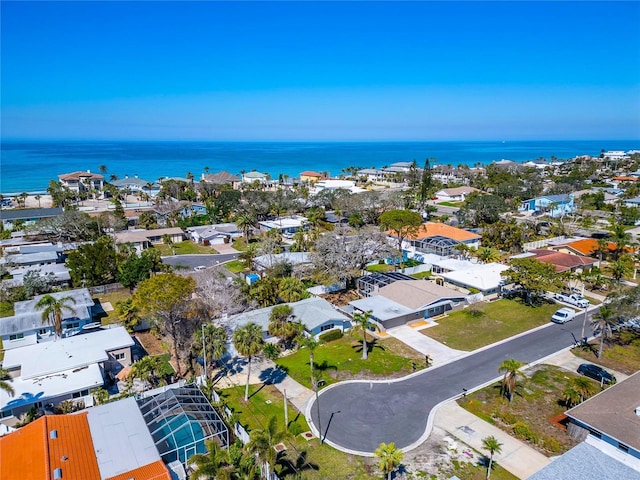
(431, 229)
(623, 178)
(589, 246)
(152, 471)
(31, 453)
(309, 173)
(79, 175)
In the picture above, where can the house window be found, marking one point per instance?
(119, 356)
(6, 413)
(17, 336)
(324, 328)
(623, 447)
(42, 331)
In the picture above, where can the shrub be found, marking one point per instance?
(523, 431)
(331, 335)
(552, 445)
(507, 417)
(295, 428)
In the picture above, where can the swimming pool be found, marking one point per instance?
(178, 437)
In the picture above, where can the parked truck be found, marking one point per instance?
(572, 299)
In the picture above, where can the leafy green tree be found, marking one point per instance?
(165, 297)
(147, 219)
(621, 238)
(5, 382)
(510, 368)
(36, 283)
(282, 324)
(362, 321)
(249, 343)
(151, 370)
(481, 209)
(210, 465)
(215, 342)
(389, 458)
(426, 182)
(136, 268)
(403, 224)
(263, 441)
(493, 446)
(52, 309)
(129, 313)
(265, 291)
(93, 264)
(292, 289)
(603, 323)
(622, 267)
(533, 276)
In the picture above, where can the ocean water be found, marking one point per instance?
(29, 166)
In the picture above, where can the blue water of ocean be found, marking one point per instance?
(29, 166)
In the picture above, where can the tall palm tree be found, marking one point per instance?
(488, 254)
(310, 343)
(492, 445)
(4, 384)
(52, 310)
(602, 322)
(245, 222)
(214, 345)
(248, 342)
(621, 237)
(389, 458)
(362, 320)
(510, 368)
(263, 441)
(209, 465)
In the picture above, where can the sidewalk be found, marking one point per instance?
(438, 352)
(516, 456)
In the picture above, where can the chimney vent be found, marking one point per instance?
(53, 434)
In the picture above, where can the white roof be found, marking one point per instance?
(295, 258)
(381, 308)
(66, 353)
(285, 222)
(81, 296)
(121, 439)
(482, 277)
(453, 264)
(28, 391)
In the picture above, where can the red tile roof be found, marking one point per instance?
(309, 173)
(562, 261)
(80, 175)
(33, 452)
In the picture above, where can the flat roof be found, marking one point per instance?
(381, 308)
(66, 353)
(28, 391)
(612, 411)
(285, 222)
(81, 296)
(121, 439)
(482, 277)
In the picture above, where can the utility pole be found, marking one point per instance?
(204, 354)
(584, 322)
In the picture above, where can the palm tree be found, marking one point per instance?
(52, 310)
(584, 387)
(208, 465)
(389, 458)
(362, 320)
(510, 368)
(621, 237)
(4, 384)
(622, 267)
(263, 441)
(310, 343)
(214, 342)
(603, 321)
(245, 222)
(248, 342)
(571, 397)
(492, 445)
(488, 254)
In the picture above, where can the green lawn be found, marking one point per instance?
(6, 309)
(184, 248)
(496, 321)
(342, 359)
(450, 204)
(113, 298)
(380, 267)
(621, 352)
(472, 471)
(313, 460)
(234, 266)
(535, 411)
(421, 275)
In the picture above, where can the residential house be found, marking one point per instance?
(316, 314)
(333, 185)
(309, 176)
(458, 194)
(135, 184)
(143, 239)
(26, 327)
(632, 202)
(57, 273)
(439, 239)
(553, 205)
(253, 176)
(109, 442)
(485, 278)
(609, 198)
(223, 178)
(372, 175)
(404, 301)
(82, 181)
(69, 368)
(563, 262)
(589, 247)
(33, 255)
(368, 285)
(610, 421)
(615, 155)
(287, 226)
(28, 216)
(264, 262)
(214, 234)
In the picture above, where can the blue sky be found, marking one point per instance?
(320, 71)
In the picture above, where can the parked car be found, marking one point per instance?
(572, 299)
(199, 268)
(563, 315)
(597, 373)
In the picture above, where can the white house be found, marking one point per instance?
(458, 194)
(486, 278)
(214, 234)
(68, 368)
(253, 176)
(285, 225)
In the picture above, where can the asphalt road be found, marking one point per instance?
(192, 261)
(358, 416)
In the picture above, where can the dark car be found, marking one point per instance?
(596, 372)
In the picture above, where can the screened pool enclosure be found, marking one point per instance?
(181, 420)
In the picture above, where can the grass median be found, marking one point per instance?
(487, 323)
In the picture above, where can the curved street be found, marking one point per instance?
(356, 416)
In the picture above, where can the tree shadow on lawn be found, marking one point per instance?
(272, 375)
(324, 366)
(504, 395)
(293, 466)
(371, 344)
